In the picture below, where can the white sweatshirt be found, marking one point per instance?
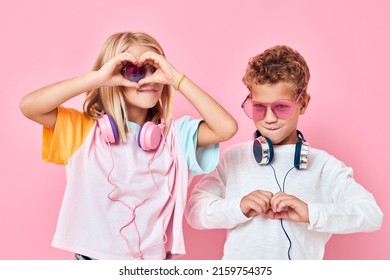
(337, 204)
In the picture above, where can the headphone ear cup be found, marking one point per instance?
(149, 136)
(263, 150)
(108, 128)
(297, 155)
(301, 155)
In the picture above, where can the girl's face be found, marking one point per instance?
(144, 98)
(279, 131)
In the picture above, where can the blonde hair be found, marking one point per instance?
(111, 99)
(278, 64)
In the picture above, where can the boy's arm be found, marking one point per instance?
(351, 208)
(208, 208)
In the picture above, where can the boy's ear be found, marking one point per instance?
(305, 104)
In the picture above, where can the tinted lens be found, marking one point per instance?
(253, 110)
(150, 68)
(283, 109)
(247, 106)
(258, 111)
(134, 73)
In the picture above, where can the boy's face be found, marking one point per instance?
(279, 131)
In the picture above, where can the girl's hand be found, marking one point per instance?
(165, 72)
(111, 72)
(289, 207)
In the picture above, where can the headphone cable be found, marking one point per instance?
(281, 220)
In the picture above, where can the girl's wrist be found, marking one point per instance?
(178, 80)
(97, 76)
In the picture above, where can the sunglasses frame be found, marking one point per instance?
(248, 100)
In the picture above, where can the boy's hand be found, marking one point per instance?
(255, 203)
(289, 207)
(278, 206)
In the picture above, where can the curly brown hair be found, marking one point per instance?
(278, 64)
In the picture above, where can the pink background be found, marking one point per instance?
(346, 44)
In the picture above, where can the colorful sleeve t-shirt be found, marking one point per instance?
(120, 201)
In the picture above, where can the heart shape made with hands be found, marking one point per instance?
(136, 73)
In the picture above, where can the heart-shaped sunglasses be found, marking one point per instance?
(136, 73)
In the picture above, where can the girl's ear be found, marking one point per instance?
(305, 104)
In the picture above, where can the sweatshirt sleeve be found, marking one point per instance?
(351, 207)
(208, 208)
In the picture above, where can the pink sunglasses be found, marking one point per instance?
(282, 108)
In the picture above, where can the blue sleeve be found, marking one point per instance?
(200, 160)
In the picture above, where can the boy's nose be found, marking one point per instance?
(270, 116)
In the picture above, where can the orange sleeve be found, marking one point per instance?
(70, 131)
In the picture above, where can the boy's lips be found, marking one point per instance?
(271, 128)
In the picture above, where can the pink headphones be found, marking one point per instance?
(149, 136)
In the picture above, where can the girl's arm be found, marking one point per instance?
(218, 125)
(41, 105)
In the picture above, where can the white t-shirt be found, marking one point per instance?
(121, 202)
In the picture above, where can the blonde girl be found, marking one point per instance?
(124, 200)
